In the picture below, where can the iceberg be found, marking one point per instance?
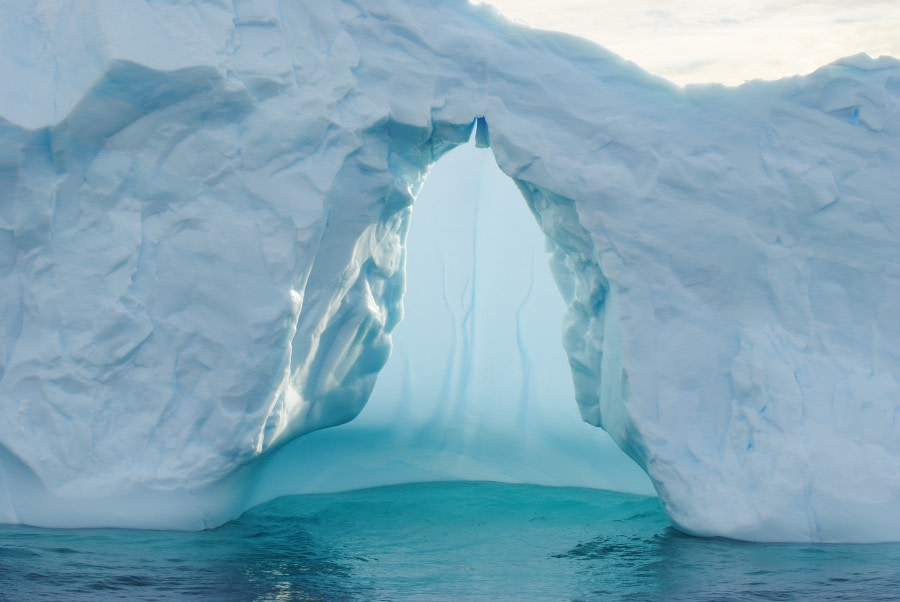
(204, 218)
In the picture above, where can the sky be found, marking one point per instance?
(698, 41)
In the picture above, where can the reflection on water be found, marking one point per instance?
(672, 566)
(437, 541)
(252, 558)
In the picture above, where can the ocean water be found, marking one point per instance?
(438, 541)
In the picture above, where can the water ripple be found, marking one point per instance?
(438, 541)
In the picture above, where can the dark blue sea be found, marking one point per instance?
(438, 541)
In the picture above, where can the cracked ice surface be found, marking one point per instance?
(202, 227)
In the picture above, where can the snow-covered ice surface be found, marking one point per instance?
(203, 218)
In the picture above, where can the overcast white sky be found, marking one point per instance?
(728, 41)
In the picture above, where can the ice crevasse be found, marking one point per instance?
(203, 217)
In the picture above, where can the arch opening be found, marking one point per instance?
(478, 385)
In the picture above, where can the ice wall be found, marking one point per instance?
(203, 222)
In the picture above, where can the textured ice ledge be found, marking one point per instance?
(202, 223)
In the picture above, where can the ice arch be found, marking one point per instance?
(203, 218)
(478, 385)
